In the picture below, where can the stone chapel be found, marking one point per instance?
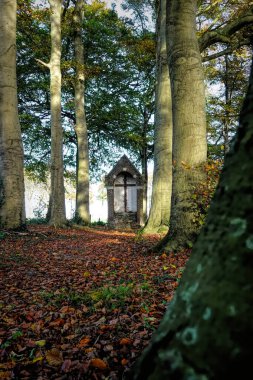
(124, 185)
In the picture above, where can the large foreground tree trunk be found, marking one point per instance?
(12, 205)
(82, 188)
(189, 121)
(207, 331)
(57, 214)
(159, 215)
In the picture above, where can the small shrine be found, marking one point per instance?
(124, 185)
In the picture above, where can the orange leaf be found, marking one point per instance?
(67, 309)
(124, 361)
(84, 342)
(114, 259)
(54, 357)
(125, 341)
(98, 363)
(57, 322)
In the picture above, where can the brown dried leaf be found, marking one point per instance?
(54, 357)
(66, 365)
(125, 341)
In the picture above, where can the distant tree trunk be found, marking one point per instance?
(144, 165)
(144, 160)
(82, 188)
(189, 122)
(227, 104)
(159, 215)
(207, 331)
(12, 204)
(57, 214)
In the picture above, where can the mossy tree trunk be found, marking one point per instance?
(12, 203)
(207, 331)
(189, 121)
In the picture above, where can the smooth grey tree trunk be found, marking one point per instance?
(12, 204)
(189, 122)
(159, 215)
(57, 214)
(207, 331)
(82, 190)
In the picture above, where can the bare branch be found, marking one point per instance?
(43, 63)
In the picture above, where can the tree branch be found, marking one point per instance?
(224, 34)
(229, 50)
(43, 63)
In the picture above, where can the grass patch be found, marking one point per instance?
(63, 296)
(112, 296)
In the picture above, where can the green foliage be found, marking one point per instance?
(36, 220)
(14, 336)
(227, 78)
(63, 296)
(119, 83)
(203, 194)
(98, 223)
(112, 296)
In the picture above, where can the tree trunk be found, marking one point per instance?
(159, 215)
(12, 204)
(226, 121)
(144, 171)
(57, 197)
(189, 122)
(82, 188)
(207, 331)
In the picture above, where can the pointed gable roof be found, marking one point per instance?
(123, 165)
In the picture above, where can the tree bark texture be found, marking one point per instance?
(57, 215)
(159, 215)
(189, 121)
(82, 191)
(207, 331)
(12, 204)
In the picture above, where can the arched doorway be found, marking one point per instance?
(125, 193)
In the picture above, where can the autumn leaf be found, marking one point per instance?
(125, 341)
(54, 357)
(67, 309)
(114, 259)
(66, 365)
(57, 322)
(84, 342)
(38, 359)
(124, 361)
(40, 343)
(98, 363)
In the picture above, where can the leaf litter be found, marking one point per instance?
(80, 303)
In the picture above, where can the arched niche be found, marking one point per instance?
(124, 185)
(125, 193)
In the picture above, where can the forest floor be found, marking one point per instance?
(80, 303)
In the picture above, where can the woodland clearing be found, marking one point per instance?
(80, 303)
